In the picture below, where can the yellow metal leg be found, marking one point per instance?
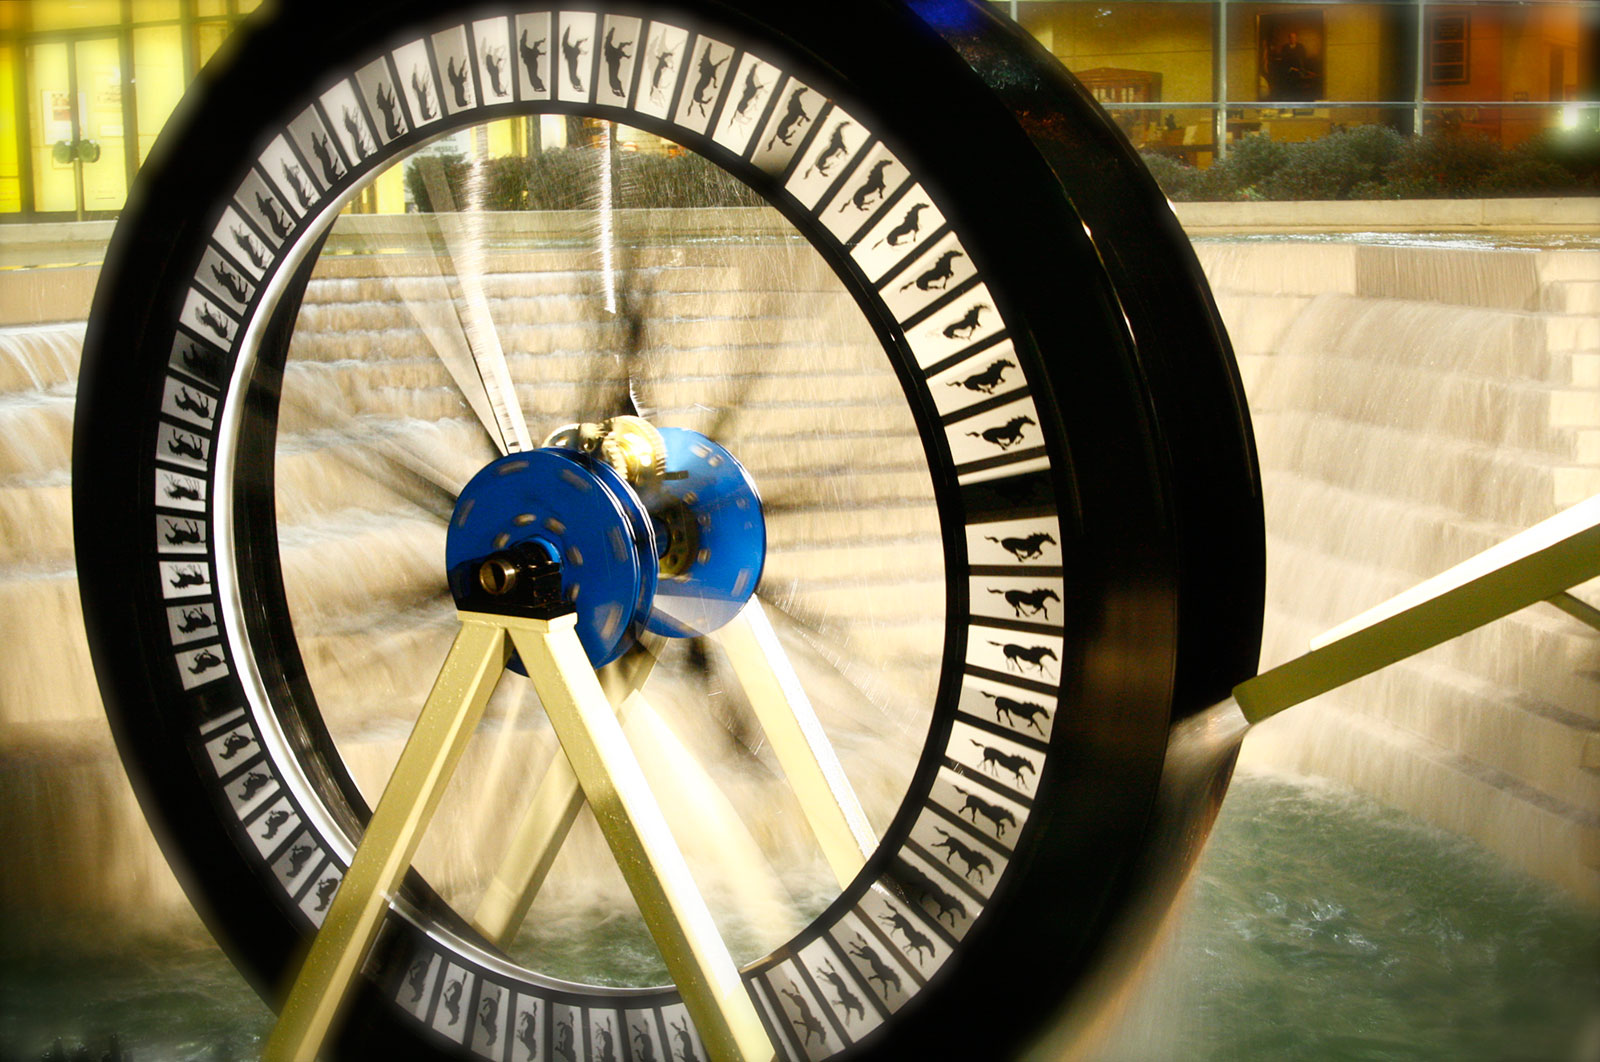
(797, 739)
(448, 719)
(634, 827)
(1539, 564)
(549, 817)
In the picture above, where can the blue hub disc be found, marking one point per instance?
(680, 557)
(716, 536)
(583, 514)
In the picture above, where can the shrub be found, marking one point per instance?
(1336, 166)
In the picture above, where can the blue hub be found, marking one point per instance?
(680, 555)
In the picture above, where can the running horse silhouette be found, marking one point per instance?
(1035, 655)
(938, 276)
(644, 1048)
(874, 188)
(357, 136)
(1004, 435)
(614, 55)
(976, 862)
(526, 1032)
(994, 759)
(968, 324)
(999, 817)
(196, 619)
(331, 171)
(804, 1018)
(230, 282)
(665, 57)
(680, 1033)
(848, 1001)
(488, 1013)
(915, 881)
(1025, 548)
(212, 320)
(494, 61)
(458, 80)
(987, 380)
(1014, 710)
(747, 95)
(424, 91)
(909, 227)
(184, 534)
(390, 107)
(832, 153)
(705, 86)
(572, 53)
(530, 59)
(916, 940)
(273, 215)
(888, 980)
(452, 1000)
(297, 184)
(1029, 602)
(793, 117)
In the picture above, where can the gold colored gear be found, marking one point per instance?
(634, 449)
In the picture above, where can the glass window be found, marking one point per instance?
(10, 169)
(75, 14)
(208, 37)
(158, 80)
(155, 10)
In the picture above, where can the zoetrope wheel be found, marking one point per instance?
(1012, 519)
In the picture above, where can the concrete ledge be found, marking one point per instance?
(1567, 215)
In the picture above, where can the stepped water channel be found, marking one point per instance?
(1413, 404)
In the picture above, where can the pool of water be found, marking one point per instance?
(1318, 926)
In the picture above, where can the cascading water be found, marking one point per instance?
(1396, 436)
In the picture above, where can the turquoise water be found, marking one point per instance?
(1320, 926)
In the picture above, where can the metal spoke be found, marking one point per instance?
(498, 407)
(797, 739)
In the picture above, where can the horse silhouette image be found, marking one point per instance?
(848, 1001)
(1004, 435)
(245, 243)
(253, 783)
(179, 492)
(527, 1031)
(198, 619)
(706, 82)
(938, 275)
(183, 578)
(297, 859)
(276, 221)
(417, 978)
(995, 759)
(873, 189)
(680, 1033)
(909, 228)
(393, 125)
(531, 54)
(212, 320)
(1034, 655)
(614, 54)
(999, 818)
(186, 533)
(752, 88)
(275, 822)
(297, 184)
(976, 862)
(181, 445)
(1026, 548)
(230, 282)
(325, 890)
(987, 380)
(794, 116)
(190, 403)
(458, 80)
(200, 361)
(916, 940)
(572, 52)
(452, 1000)
(664, 60)
(1013, 710)
(323, 150)
(604, 1051)
(488, 1015)
(967, 324)
(1029, 602)
(923, 889)
(494, 63)
(233, 745)
(887, 977)
(563, 1044)
(423, 87)
(832, 153)
(644, 1048)
(804, 1018)
(358, 136)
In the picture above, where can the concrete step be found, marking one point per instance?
(39, 357)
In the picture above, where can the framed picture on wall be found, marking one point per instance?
(1290, 47)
